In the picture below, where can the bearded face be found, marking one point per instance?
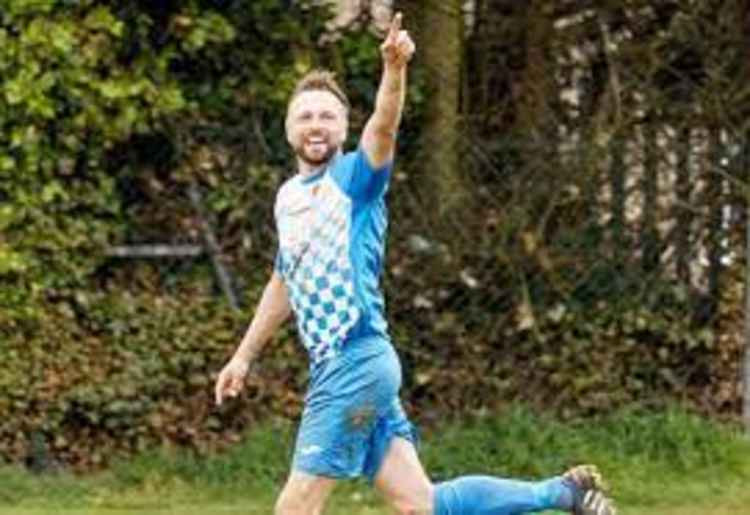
(316, 148)
(316, 126)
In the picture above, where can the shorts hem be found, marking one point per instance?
(410, 435)
(320, 472)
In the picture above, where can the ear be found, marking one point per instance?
(286, 130)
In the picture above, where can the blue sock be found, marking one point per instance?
(483, 495)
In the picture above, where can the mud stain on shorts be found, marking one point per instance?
(361, 417)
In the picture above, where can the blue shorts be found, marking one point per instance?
(352, 412)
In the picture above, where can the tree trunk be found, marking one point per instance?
(440, 51)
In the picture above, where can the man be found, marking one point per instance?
(331, 219)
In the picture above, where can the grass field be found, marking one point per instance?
(661, 464)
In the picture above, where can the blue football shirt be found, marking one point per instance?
(332, 227)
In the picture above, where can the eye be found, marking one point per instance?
(304, 116)
(328, 115)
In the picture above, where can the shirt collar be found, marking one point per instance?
(320, 172)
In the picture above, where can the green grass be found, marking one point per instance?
(667, 463)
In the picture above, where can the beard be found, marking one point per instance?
(315, 156)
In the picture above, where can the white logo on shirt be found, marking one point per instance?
(310, 449)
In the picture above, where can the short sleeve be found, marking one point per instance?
(355, 176)
(278, 263)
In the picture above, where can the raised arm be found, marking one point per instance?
(273, 309)
(379, 137)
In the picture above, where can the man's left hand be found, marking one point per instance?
(398, 47)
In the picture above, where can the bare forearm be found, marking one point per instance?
(379, 136)
(272, 311)
(389, 102)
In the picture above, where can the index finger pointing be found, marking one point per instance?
(395, 26)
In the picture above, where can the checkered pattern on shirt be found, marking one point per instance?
(318, 273)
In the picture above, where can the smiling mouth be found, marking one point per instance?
(316, 149)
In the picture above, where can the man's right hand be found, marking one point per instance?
(273, 309)
(231, 379)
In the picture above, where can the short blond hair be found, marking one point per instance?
(320, 80)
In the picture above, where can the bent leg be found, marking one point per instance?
(304, 494)
(405, 485)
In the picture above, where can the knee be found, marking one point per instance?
(290, 504)
(283, 507)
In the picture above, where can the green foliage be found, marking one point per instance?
(68, 94)
(573, 359)
(103, 375)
